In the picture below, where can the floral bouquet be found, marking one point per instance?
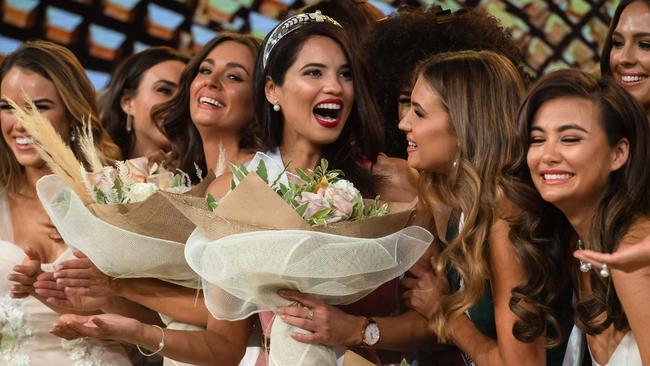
(310, 232)
(115, 214)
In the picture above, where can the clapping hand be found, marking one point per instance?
(25, 275)
(65, 287)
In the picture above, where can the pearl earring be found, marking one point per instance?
(604, 271)
(129, 123)
(276, 107)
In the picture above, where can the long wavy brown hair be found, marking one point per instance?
(480, 91)
(60, 66)
(542, 235)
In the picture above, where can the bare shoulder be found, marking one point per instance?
(638, 231)
(502, 251)
(399, 180)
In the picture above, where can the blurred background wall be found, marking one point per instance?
(552, 33)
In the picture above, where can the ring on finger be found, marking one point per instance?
(310, 315)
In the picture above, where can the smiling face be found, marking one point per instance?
(569, 157)
(46, 98)
(317, 95)
(158, 85)
(221, 94)
(432, 142)
(630, 55)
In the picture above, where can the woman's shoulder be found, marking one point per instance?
(637, 232)
(399, 180)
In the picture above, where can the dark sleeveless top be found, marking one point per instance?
(482, 313)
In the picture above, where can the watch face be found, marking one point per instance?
(371, 335)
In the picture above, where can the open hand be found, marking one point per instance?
(103, 326)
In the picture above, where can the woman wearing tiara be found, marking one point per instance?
(312, 102)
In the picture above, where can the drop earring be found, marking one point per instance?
(73, 136)
(129, 123)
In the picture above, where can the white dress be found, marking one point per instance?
(25, 323)
(626, 353)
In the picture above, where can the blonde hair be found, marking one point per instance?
(481, 91)
(61, 67)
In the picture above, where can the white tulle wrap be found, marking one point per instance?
(242, 274)
(115, 251)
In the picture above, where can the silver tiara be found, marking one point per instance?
(291, 24)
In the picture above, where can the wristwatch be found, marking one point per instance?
(370, 334)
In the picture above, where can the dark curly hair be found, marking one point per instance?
(544, 239)
(399, 43)
(356, 17)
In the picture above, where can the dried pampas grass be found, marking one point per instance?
(51, 147)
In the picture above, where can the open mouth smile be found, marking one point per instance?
(328, 112)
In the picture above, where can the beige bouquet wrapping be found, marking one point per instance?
(254, 244)
(115, 214)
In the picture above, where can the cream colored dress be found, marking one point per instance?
(626, 353)
(25, 323)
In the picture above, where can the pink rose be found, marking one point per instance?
(315, 203)
(138, 169)
(342, 197)
(103, 179)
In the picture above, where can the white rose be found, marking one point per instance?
(346, 189)
(139, 192)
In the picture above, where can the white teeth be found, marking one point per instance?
(631, 78)
(557, 176)
(412, 144)
(329, 106)
(326, 119)
(24, 140)
(214, 102)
